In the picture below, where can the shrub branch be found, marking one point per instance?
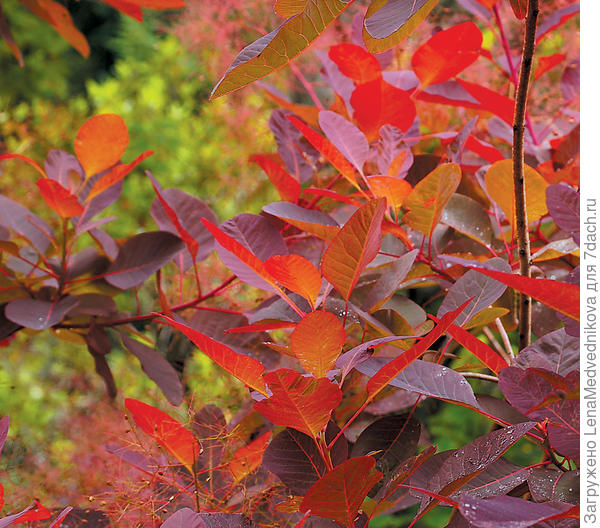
(518, 168)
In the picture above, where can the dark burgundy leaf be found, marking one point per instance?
(498, 479)
(106, 242)
(7, 328)
(389, 281)
(257, 234)
(39, 315)
(97, 340)
(209, 425)
(103, 370)
(158, 369)
(21, 220)
(548, 485)
(467, 216)
(189, 211)
(563, 431)
(225, 520)
(4, 424)
(295, 459)
(94, 304)
(98, 203)
(64, 168)
(140, 256)
(391, 17)
(398, 400)
(422, 165)
(556, 352)
(289, 147)
(429, 379)
(563, 206)
(462, 465)
(390, 440)
(482, 292)
(500, 409)
(508, 512)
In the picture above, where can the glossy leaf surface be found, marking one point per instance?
(354, 247)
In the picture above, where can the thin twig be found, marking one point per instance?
(519, 168)
(479, 375)
(505, 339)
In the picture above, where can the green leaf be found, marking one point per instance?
(276, 49)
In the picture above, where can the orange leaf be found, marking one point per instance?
(327, 149)
(390, 370)
(296, 274)
(303, 403)
(355, 62)
(427, 200)
(287, 186)
(116, 175)
(58, 16)
(317, 342)
(167, 431)
(560, 296)
(447, 53)
(245, 368)
(100, 142)
(394, 190)
(246, 459)
(339, 494)
(356, 244)
(59, 199)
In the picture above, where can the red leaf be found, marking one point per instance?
(61, 517)
(297, 274)
(339, 494)
(39, 513)
(327, 149)
(488, 152)
(100, 142)
(24, 158)
(356, 244)
(127, 8)
(519, 7)
(548, 62)
(191, 243)
(246, 459)
(560, 296)
(116, 175)
(59, 199)
(302, 403)
(167, 431)
(355, 62)
(287, 186)
(447, 53)
(388, 372)
(498, 104)
(245, 368)
(378, 103)
(261, 327)
(486, 354)
(317, 342)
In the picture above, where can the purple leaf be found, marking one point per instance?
(455, 149)
(295, 459)
(21, 220)
(449, 92)
(508, 512)
(360, 353)
(94, 304)
(64, 168)
(289, 147)
(6, 521)
(98, 203)
(158, 369)
(99, 346)
(61, 516)
(458, 467)
(569, 84)
(405, 80)
(189, 210)
(398, 400)
(257, 234)
(290, 211)
(209, 427)
(184, 518)
(500, 409)
(4, 424)
(482, 291)
(563, 206)
(389, 281)
(39, 315)
(429, 379)
(390, 440)
(468, 217)
(106, 242)
(498, 478)
(140, 256)
(390, 147)
(548, 485)
(555, 19)
(340, 84)
(348, 139)
(133, 458)
(556, 352)
(391, 17)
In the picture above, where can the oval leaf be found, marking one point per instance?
(167, 431)
(296, 274)
(357, 244)
(348, 139)
(59, 199)
(317, 342)
(39, 315)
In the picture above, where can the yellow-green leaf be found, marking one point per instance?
(288, 8)
(276, 49)
(427, 200)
